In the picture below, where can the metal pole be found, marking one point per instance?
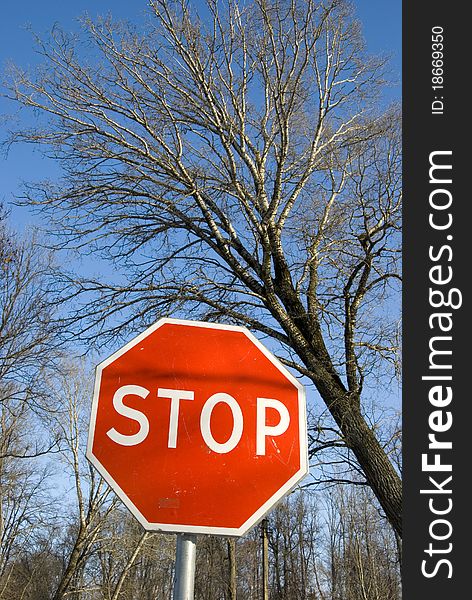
(184, 578)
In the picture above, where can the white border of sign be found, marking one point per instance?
(269, 504)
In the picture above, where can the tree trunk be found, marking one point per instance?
(344, 406)
(70, 571)
(265, 560)
(129, 565)
(379, 471)
(232, 568)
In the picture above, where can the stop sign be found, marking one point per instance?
(197, 428)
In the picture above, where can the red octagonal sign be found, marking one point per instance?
(197, 428)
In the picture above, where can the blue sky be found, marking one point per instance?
(382, 28)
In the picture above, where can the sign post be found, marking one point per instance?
(184, 577)
(199, 429)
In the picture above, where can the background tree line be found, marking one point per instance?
(230, 164)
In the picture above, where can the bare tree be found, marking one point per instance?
(27, 326)
(363, 560)
(24, 503)
(234, 167)
(92, 497)
(26, 354)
